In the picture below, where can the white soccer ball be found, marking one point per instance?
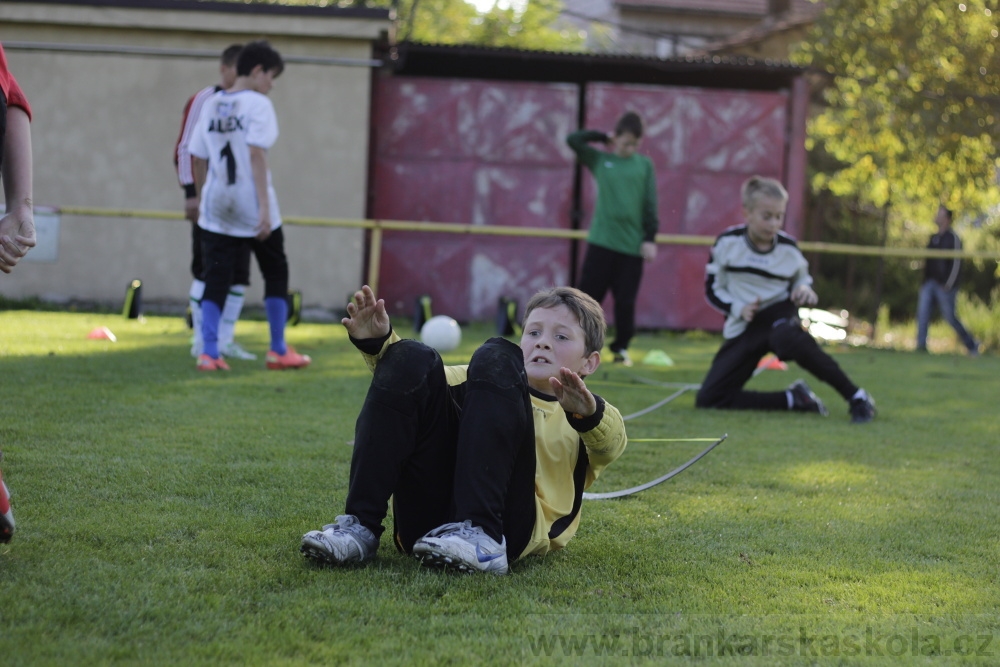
(442, 333)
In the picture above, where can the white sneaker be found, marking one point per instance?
(341, 543)
(621, 357)
(235, 351)
(464, 547)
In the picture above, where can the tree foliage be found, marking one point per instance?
(913, 102)
(522, 24)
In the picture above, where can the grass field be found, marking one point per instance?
(159, 513)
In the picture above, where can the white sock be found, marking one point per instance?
(195, 294)
(791, 400)
(230, 314)
(860, 393)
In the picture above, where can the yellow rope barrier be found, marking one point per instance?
(532, 232)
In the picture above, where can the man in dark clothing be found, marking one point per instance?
(941, 284)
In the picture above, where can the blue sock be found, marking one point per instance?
(210, 316)
(277, 315)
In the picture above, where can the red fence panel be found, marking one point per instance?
(473, 152)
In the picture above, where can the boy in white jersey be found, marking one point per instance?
(239, 208)
(757, 277)
(185, 175)
(484, 463)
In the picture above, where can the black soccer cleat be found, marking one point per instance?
(804, 400)
(862, 409)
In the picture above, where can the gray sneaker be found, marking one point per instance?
(804, 400)
(464, 547)
(341, 543)
(235, 351)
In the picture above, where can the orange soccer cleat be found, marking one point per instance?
(290, 359)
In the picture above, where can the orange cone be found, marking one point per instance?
(102, 333)
(771, 363)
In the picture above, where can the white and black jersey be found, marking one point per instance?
(738, 273)
(230, 123)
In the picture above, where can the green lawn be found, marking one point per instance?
(159, 513)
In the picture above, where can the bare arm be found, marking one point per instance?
(17, 227)
(258, 164)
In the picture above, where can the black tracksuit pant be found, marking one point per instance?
(775, 329)
(446, 453)
(605, 269)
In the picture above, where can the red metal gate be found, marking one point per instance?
(494, 153)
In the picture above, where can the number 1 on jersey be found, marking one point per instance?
(227, 154)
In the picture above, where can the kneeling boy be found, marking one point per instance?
(757, 277)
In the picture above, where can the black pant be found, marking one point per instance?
(605, 269)
(446, 453)
(775, 329)
(223, 256)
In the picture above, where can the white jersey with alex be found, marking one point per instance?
(230, 123)
(739, 273)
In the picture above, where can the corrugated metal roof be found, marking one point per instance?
(469, 61)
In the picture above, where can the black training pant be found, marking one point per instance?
(775, 329)
(446, 453)
(605, 269)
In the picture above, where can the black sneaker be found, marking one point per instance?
(804, 400)
(862, 409)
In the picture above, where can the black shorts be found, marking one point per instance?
(223, 255)
(242, 275)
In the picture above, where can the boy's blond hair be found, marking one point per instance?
(761, 186)
(588, 312)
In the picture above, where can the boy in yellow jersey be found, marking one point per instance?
(485, 463)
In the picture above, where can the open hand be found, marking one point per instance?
(572, 394)
(366, 316)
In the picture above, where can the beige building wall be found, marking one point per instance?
(106, 120)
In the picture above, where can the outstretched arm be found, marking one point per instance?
(17, 227)
(366, 316)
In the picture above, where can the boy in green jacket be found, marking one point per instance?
(624, 223)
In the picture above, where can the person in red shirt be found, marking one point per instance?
(17, 226)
